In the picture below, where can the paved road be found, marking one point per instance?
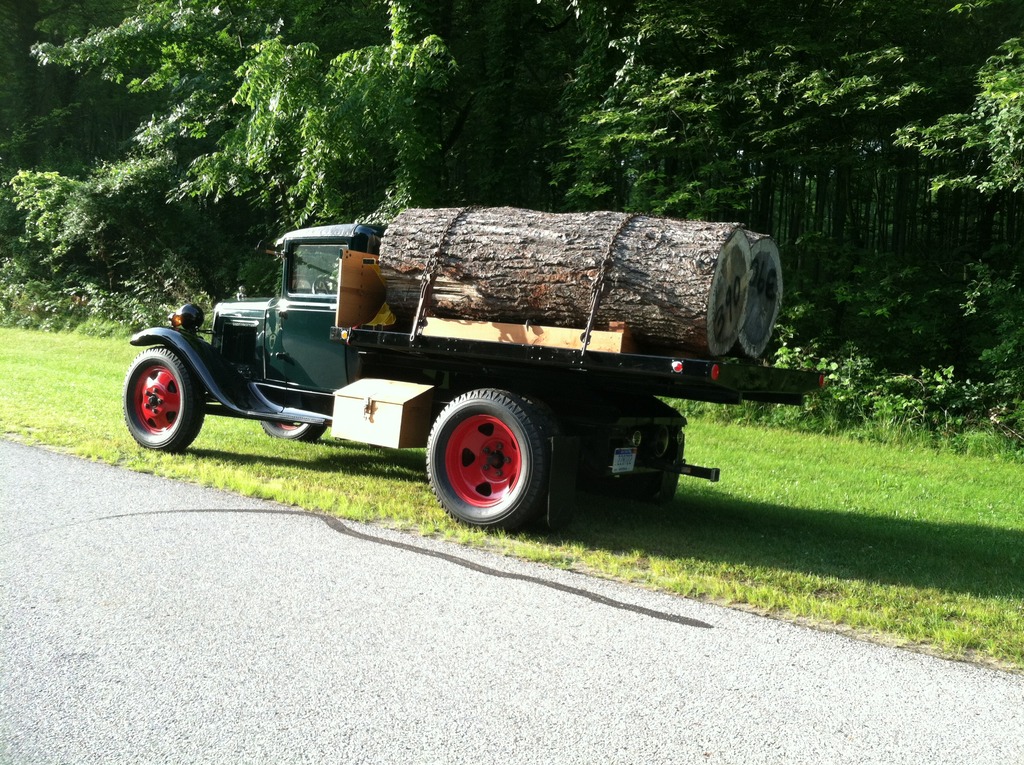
(143, 620)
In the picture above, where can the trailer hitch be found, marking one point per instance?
(696, 471)
(684, 468)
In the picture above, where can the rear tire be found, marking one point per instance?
(163, 404)
(294, 432)
(489, 458)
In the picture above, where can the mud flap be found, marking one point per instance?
(562, 481)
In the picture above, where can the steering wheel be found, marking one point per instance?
(324, 285)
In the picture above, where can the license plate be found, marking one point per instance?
(624, 460)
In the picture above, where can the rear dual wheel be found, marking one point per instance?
(163, 403)
(489, 458)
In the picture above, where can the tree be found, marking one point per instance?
(320, 139)
(983, 149)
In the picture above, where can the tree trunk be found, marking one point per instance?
(764, 295)
(677, 284)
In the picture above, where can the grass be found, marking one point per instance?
(907, 545)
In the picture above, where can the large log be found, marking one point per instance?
(676, 283)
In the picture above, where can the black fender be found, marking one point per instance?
(238, 396)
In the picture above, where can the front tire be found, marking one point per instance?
(489, 458)
(163, 404)
(304, 431)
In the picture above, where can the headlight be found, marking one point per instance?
(189, 318)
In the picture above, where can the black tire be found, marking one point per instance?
(489, 458)
(163, 403)
(303, 431)
(664, 485)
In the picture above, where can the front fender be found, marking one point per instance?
(225, 385)
(220, 379)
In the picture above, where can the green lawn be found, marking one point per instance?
(910, 546)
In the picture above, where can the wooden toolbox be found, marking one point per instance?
(383, 413)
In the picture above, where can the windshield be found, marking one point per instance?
(314, 269)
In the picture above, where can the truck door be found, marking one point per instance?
(299, 350)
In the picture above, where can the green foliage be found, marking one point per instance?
(85, 308)
(184, 51)
(1001, 301)
(107, 246)
(703, 98)
(932, 407)
(149, 145)
(98, 228)
(990, 137)
(361, 117)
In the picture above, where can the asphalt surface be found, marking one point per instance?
(149, 621)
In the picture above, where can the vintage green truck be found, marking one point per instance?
(514, 419)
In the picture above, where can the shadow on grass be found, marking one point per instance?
(977, 560)
(966, 559)
(354, 459)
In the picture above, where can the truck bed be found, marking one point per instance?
(723, 382)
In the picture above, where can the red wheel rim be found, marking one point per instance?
(157, 399)
(483, 461)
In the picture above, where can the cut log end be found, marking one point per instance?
(727, 298)
(764, 295)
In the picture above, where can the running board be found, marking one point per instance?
(258, 407)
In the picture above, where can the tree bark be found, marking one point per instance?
(764, 295)
(677, 284)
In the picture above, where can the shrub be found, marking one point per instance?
(932, 406)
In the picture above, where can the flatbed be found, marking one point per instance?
(714, 381)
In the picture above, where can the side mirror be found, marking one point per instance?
(267, 248)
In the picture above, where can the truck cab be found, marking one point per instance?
(281, 342)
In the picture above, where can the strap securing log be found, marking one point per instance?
(430, 271)
(604, 268)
